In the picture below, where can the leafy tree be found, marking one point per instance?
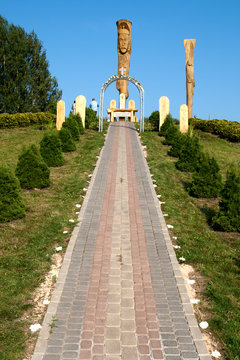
(67, 141)
(11, 204)
(206, 180)
(31, 170)
(228, 217)
(26, 84)
(51, 150)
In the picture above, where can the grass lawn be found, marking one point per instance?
(27, 245)
(215, 255)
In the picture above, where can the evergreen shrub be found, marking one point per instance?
(206, 180)
(171, 135)
(51, 150)
(71, 124)
(66, 139)
(11, 204)
(228, 217)
(154, 120)
(91, 119)
(167, 123)
(189, 155)
(78, 121)
(31, 170)
(179, 141)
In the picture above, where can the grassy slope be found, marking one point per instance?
(214, 254)
(26, 245)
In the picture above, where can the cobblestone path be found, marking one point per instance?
(120, 293)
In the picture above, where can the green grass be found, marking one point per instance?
(27, 245)
(215, 255)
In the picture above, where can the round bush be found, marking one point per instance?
(228, 217)
(11, 204)
(167, 123)
(207, 180)
(66, 139)
(72, 125)
(51, 150)
(189, 154)
(179, 141)
(31, 170)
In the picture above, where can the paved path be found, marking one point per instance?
(120, 293)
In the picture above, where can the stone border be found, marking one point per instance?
(187, 306)
(43, 337)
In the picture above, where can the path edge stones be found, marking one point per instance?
(187, 306)
(43, 336)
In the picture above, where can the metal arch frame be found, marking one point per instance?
(133, 81)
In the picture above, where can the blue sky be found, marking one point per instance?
(80, 38)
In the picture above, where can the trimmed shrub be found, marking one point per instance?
(228, 218)
(11, 204)
(66, 139)
(154, 120)
(171, 135)
(51, 150)
(189, 154)
(177, 145)
(7, 121)
(229, 130)
(91, 119)
(31, 170)
(78, 121)
(167, 123)
(45, 120)
(72, 125)
(206, 180)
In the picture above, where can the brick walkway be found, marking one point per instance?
(120, 293)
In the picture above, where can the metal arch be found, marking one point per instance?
(133, 81)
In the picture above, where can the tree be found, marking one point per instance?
(26, 84)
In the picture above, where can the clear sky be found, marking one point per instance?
(80, 38)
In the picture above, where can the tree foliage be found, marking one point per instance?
(26, 84)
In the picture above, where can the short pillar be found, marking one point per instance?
(60, 114)
(184, 119)
(163, 109)
(81, 107)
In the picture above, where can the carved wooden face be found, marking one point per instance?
(123, 42)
